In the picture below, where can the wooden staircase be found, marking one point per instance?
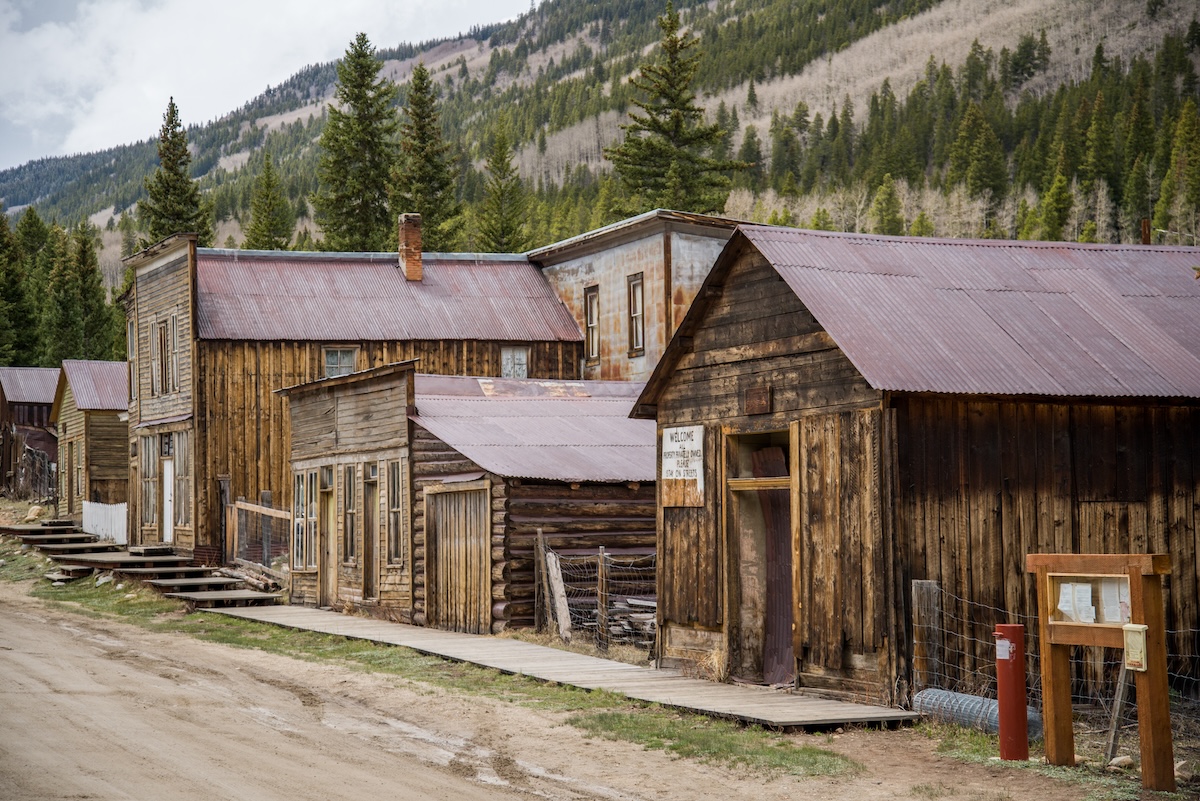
(78, 555)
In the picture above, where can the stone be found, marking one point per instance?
(105, 579)
(1183, 771)
(1080, 761)
(1123, 761)
(59, 584)
(33, 514)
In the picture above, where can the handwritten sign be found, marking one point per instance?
(682, 471)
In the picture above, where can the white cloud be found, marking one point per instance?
(84, 76)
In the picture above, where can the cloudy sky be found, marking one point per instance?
(83, 75)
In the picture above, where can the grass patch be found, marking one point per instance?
(962, 742)
(598, 713)
(709, 740)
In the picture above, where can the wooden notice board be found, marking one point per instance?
(1100, 600)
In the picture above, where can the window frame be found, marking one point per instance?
(398, 504)
(341, 352)
(349, 514)
(635, 297)
(507, 351)
(591, 322)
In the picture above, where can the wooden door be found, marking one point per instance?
(779, 657)
(327, 550)
(71, 489)
(458, 528)
(370, 560)
(166, 521)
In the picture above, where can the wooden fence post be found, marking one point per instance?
(602, 600)
(541, 586)
(558, 596)
(264, 499)
(927, 641)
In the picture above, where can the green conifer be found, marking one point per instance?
(666, 156)
(423, 180)
(502, 217)
(358, 149)
(172, 204)
(271, 219)
(887, 216)
(62, 314)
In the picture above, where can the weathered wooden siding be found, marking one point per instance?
(106, 454)
(246, 425)
(756, 335)
(160, 294)
(72, 438)
(984, 482)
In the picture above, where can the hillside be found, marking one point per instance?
(558, 74)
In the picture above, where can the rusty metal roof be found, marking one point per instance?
(273, 295)
(999, 317)
(605, 236)
(524, 428)
(29, 384)
(98, 386)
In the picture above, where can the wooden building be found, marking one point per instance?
(431, 518)
(213, 333)
(27, 441)
(841, 414)
(90, 413)
(628, 285)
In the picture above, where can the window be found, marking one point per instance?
(637, 330)
(591, 322)
(183, 479)
(339, 361)
(304, 520)
(514, 362)
(164, 357)
(130, 354)
(397, 500)
(148, 448)
(349, 516)
(173, 365)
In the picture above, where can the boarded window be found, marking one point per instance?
(637, 329)
(148, 450)
(349, 515)
(131, 354)
(591, 315)
(183, 478)
(397, 500)
(339, 361)
(172, 382)
(514, 362)
(157, 342)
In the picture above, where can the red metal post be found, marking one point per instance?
(1010, 691)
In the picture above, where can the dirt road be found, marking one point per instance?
(104, 710)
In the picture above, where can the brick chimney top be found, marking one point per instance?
(410, 246)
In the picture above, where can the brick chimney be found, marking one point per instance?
(410, 246)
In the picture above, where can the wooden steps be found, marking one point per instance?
(192, 583)
(61, 536)
(76, 549)
(121, 560)
(223, 598)
(165, 572)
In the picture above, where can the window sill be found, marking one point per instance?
(634, 354)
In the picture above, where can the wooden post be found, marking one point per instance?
(240, 528)
(541, 602)
(927, 641)
(1118, 714)
(602, 600)
(223, 519)
(1057, 722)
(558, 596)
(264, 499)
(1154, 710)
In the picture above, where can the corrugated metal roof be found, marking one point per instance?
(261, 295)
(999, 317)
(98, 386)
(557, 430)
(29, 384)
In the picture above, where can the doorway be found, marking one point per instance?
(458, 527)
(370, 531)
(327, 534)
(760, 529)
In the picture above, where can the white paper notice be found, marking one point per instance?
(1110, 600)
(1123, 590)
(683, 454)
(1003, 650)
(1066, 600)
(1084, 611)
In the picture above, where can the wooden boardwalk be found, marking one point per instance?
(759, 705)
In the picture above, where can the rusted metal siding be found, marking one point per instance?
(565, 431)
(29, 384)
(349, 297)
(985, 317)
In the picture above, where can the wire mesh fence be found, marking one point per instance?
(611, 597)
(261, 536)
(954, 649)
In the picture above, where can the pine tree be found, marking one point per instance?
(666, 156)
(751, 155)
(921, 225)
(887, 217)
(751, 99)
(977, 158)
(95, 317)
(271, 218)
(173, 205)
(822, 220)
(62, 315)
(10, 267)
(1055, 206)
(1179, 194)
(20, 307)
(502, 218)
(358, 149)
(423, 180)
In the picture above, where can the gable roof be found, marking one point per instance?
(988, 316)
(281, 295)
(29, 384)
(95, 385)
(630, 229)
(524, 428)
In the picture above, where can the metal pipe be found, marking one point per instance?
(1010, 691)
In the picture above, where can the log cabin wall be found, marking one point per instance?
(984, 482)
(247, 428)
(755, 335)
(575, 518)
